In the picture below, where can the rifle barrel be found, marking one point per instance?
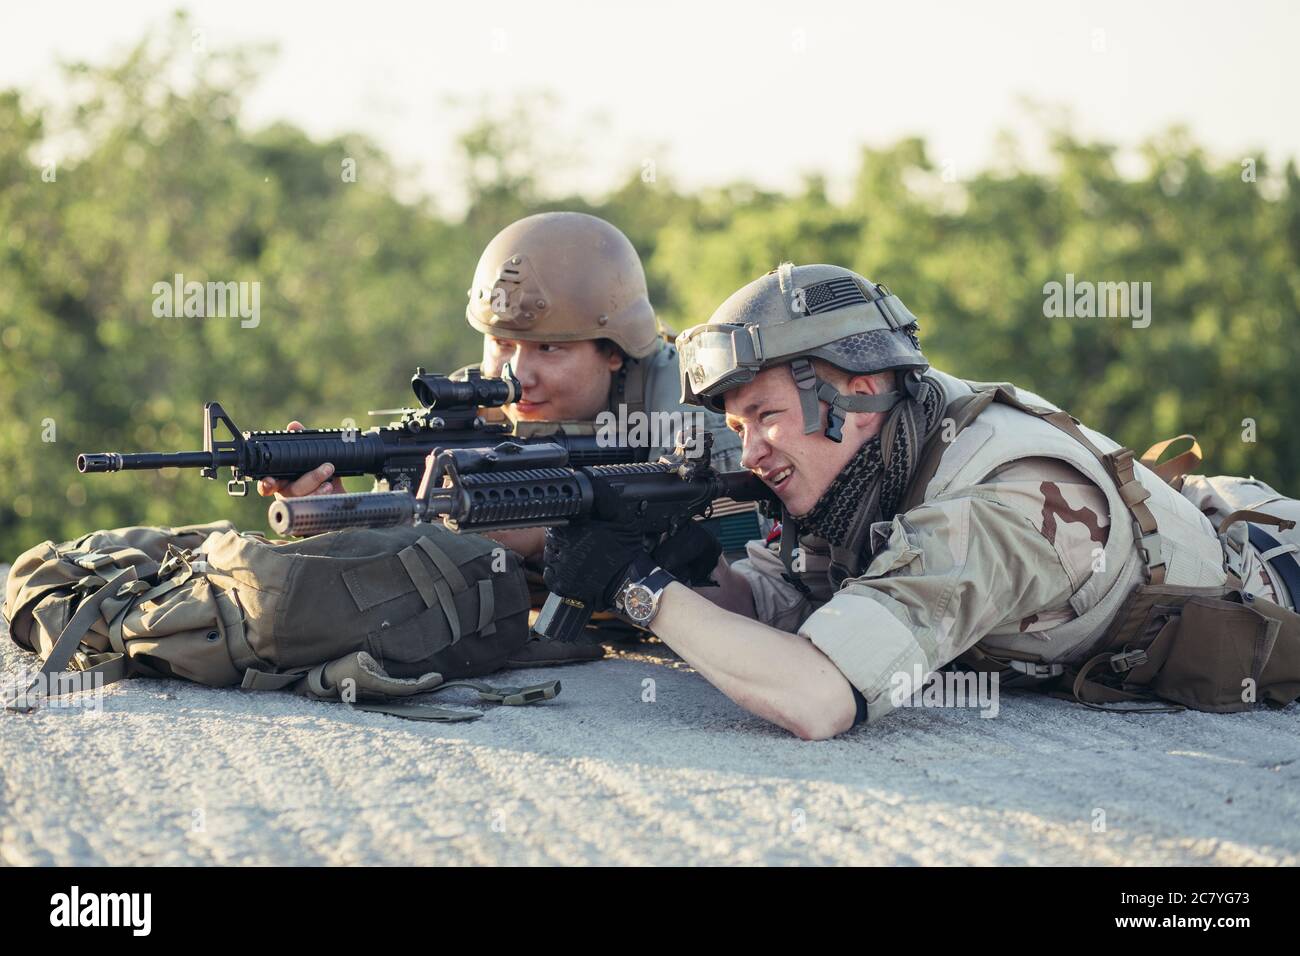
(93, 463)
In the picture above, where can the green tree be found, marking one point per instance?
(357, 286)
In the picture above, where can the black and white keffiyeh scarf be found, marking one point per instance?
(869, 488)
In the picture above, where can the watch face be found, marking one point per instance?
(639, 603)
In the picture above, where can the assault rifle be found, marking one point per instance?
(529, 486)
(393, 453)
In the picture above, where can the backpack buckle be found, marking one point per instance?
(176, 561)
(1121, 458)
(1035, 669)
(1149, 545)
(1126, 661)
(529, 695)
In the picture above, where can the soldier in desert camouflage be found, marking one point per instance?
(1009, 540)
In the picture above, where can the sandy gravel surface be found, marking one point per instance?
(174, 773)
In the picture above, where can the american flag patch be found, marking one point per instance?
(832, 294)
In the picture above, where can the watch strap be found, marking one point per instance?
(644, 572)
(657, 580)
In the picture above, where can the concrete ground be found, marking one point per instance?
(620, 771)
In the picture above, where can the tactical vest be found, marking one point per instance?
(1185, 552)
(1161, 614)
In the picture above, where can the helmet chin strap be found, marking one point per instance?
(627, 386)
(813, 390)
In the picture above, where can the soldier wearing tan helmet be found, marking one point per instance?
(561, 298)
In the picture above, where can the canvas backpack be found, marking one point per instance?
(367, 616)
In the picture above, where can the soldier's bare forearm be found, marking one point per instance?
(780, 677)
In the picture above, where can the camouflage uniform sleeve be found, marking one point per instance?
(953, 570)
(777, 603)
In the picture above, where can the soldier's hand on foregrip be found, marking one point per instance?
(588, 561)
(315, 482)
(690, 555)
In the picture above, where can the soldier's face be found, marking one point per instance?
(562, 381)
(798, 467)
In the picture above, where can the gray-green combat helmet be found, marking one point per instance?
(794, 314)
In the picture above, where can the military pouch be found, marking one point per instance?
(1211, 649)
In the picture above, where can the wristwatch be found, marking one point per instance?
(637, 601)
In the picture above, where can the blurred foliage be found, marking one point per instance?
(358, 287)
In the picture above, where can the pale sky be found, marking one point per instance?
(712, 92)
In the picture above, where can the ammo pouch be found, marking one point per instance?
(1213, 649)
(367, 616)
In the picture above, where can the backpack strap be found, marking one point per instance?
(408, 711)
(435, 590)
(1280, 557)
(1118, 464)
(977, 659)
(1134, 494)
(486, 608)
(1175, 469)
(444, 563)
(789, 541)
(113, 667)
(510, 696)
(1093, 694)
(1258, 517)
(959, 413)
(267, 680)
(627, 386)
(320, 684)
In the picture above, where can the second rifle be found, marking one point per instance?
(528, 486)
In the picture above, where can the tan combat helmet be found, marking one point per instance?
(563, 277)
